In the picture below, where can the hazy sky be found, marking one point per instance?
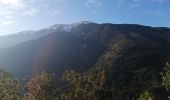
(18, 15)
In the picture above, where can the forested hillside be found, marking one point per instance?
(110, 61)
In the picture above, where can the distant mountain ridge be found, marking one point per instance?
(14, 39)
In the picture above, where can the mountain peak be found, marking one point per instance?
(68, 27)
(84, 22)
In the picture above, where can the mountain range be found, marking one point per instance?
(130, 50)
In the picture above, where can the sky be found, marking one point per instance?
(20, 15)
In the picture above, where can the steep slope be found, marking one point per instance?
(135, 66)
(17, 38)
(126, 48)
(55, 52)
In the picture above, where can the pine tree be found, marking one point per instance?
(166, 77)
(10, 89)
(79, 88)
(42, 87)
(145, 96)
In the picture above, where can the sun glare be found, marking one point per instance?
(9, 1)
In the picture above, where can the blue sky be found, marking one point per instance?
(19, 15)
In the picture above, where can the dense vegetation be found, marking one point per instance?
(92, 85)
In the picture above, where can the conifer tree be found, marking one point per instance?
(42, 87)
(10, 89)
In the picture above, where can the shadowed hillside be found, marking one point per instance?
(134, 54)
